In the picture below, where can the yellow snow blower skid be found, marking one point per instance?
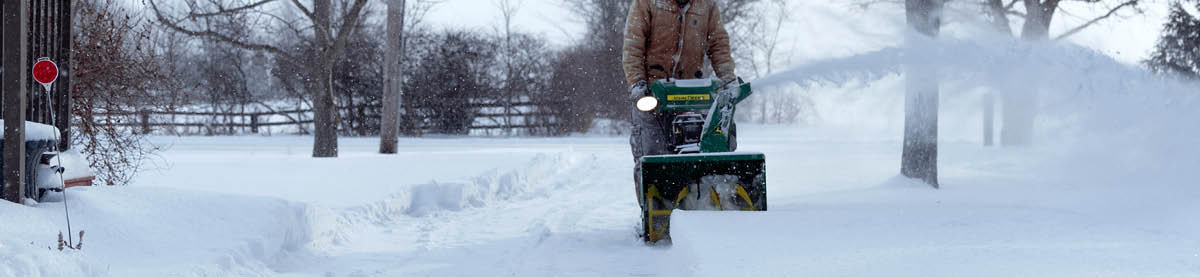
(704, 173)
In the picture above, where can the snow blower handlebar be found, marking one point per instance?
(709, 95)
(695, 94)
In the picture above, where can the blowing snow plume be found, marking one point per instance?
(1099, 114)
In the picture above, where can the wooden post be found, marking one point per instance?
(62, 95)
(254, 123)
(13, 82)
(145, 116)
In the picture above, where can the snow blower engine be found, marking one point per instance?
(703, 173)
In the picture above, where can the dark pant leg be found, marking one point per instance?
(648, 137)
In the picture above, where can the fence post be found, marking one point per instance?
(145, 115)
(13, 83)
(254, 123)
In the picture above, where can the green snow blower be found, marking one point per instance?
(703, 173)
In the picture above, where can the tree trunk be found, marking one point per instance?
(1020, 107)
(989, 119)
(325, 123)
(389, 127)
(325, 137)
(998, 14)
(919, 157)
(1037, 19)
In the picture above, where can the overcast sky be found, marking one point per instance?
(546, 17)
(1127, 37)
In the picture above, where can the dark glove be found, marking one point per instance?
(732, 88)
(638, 90)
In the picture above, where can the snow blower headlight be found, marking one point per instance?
(647, 103)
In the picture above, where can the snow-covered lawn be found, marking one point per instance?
(565, 207)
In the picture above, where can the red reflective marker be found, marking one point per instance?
(45, 72)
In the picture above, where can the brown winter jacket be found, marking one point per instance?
(653, 38)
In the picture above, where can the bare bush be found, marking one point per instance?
(113, 69)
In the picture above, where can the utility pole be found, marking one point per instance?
(392, 82)
(13, 83)
(62, 95)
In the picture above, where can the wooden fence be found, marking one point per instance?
(489, 119)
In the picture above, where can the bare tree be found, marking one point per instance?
(757, 36)
(919, 159)
(508, 10)
(204, 20)
(403, 17)
(390, 127)
(1037, 14)
(1020, 107)
(456, 71)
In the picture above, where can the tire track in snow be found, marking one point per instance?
(511, 214)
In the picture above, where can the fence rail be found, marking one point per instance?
(488, 117)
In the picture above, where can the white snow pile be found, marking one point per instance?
(74, 166)
(542, 175)
(131, 231)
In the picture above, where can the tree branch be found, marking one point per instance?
(1110, 13)
(303, 9)
(223, 11)
(208, 33)
(349, 24)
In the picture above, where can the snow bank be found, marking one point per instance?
(435, 196)
(540, 177)
(134, 231)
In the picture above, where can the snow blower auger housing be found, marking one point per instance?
(703, 173)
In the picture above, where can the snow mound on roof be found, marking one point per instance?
(36, 131)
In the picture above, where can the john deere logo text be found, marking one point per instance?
(688, 97)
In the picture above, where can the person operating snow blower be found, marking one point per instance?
(683, 129)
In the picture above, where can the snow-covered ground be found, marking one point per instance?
(565, 207)
(1109, 188)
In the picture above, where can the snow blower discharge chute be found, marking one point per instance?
(703, 173)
